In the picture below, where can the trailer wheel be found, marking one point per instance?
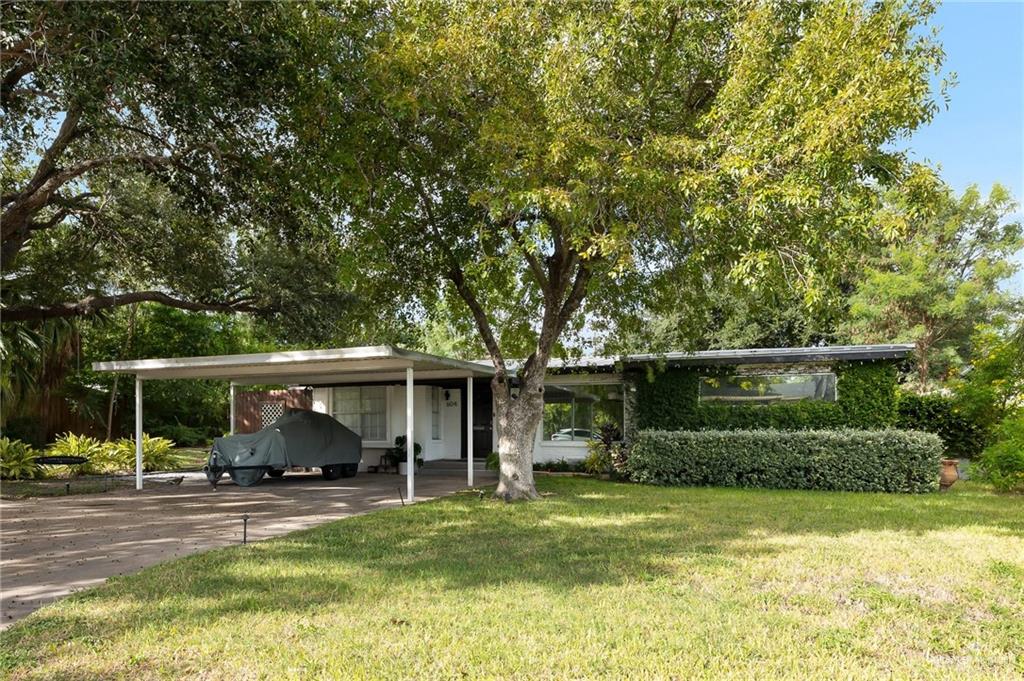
(332, 472)
(349, 470)
(276, 473)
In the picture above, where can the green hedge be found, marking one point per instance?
(866, 399)
(960, 435)
(1002, 462)
(851, 460)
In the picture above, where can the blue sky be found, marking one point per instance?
(979, 137)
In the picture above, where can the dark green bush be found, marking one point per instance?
(184, 436)
(1002, 462)
(851, 460)
(961, 436)
(559, 466)
(866, 398)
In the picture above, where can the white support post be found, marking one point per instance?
(138, 433)
(410, 442)
(469, 431)
(231, 428)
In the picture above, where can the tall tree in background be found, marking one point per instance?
(729, 318)
(525, 165)
(935, 288)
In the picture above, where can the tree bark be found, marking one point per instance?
(110, 407)
(518, 419)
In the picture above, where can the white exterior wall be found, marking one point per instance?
(448, 447)
(553, 451)
(452, 428)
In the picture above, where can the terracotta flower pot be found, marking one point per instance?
(950, 474)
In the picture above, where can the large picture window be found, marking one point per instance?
(362, 410)
(768, 388)
(578, 412)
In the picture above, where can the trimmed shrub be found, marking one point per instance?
(851, 460)
(17, 460)
(866, 398)
(1002, 462)
(960, 435)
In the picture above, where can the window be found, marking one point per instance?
(362, 410)
(435, 413)
(577, 413)
(768, 388)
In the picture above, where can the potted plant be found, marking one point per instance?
(396, 457)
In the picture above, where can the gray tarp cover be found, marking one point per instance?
(299, 438)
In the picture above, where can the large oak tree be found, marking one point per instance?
(528, 165)
(149, 155)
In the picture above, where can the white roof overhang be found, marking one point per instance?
(304, 367)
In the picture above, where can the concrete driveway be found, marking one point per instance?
(50, 547)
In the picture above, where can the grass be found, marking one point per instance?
(598, 579)
(190, 458)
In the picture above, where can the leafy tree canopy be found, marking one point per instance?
(148, 154)
(516, 164)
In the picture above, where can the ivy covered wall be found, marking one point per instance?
(668, 400)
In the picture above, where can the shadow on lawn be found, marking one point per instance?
(588, 533)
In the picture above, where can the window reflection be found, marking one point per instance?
(579, 412)
(768, 388)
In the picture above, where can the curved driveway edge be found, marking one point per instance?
(50, 547)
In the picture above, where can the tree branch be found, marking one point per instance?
(457, 278)
(93, 304)
(9, 84)
(48, 162)
(576, 293)
(531, 259)
(17, 215)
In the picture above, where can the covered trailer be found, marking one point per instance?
(299, 438)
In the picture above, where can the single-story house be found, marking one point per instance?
(445, 404)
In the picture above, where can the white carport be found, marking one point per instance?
(311, 367)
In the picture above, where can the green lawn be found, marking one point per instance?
(598, 579)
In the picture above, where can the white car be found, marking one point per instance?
(572, 434)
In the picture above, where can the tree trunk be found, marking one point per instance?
(924, 368)
(110, 407)
(520, 413)
(518, 416)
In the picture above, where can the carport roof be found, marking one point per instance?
(304, 367)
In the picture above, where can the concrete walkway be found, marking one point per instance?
(50, 547)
